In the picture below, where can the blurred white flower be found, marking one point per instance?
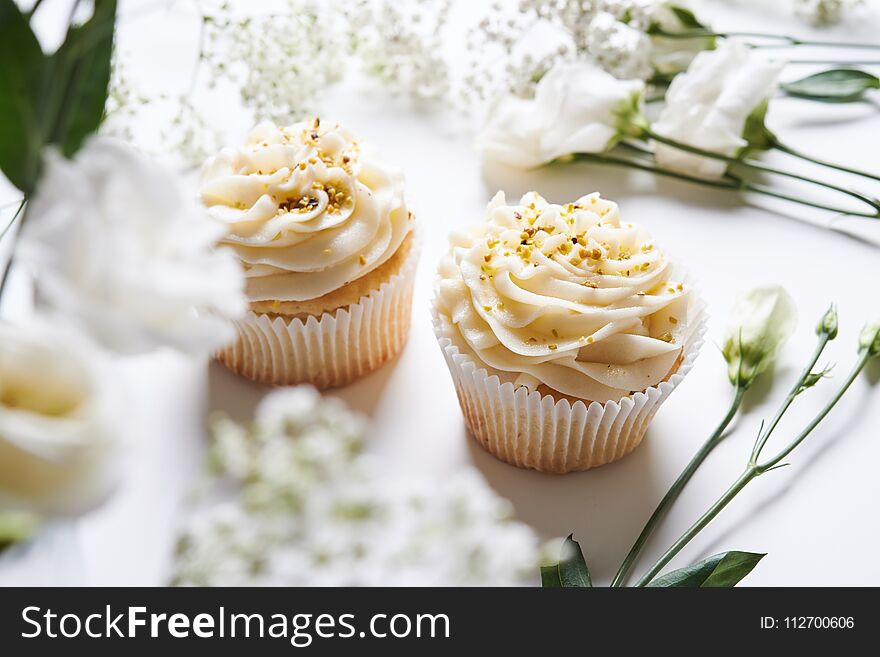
(761, 321)
(115, 243)
(824, 12)
(578, 108)
(623, 51)
(707, 106)
(58, 428)
(307, 510)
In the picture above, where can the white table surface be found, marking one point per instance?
(817, 520)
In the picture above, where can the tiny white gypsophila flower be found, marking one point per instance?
(401, 44)
(623, 51)
(293, 503)
(59, 430)
(824, 12)
(117, 244)
(708, 105)
(578, 108)
(281, 61)
(761, 321)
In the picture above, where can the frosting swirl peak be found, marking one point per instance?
(307, 209)
(566, 296)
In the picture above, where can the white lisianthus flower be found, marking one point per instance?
(578, 108)
(707, 107)
(761, 321)
(623, 51)
(116, 244)
(58, 428)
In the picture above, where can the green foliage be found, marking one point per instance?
(755, 130)
(842, 85)
(723, 570)
(56, 99)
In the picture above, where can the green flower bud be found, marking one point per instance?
(761, 321)
(869, 339)
(828, 323)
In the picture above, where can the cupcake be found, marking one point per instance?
(326, 241)
(564, 330)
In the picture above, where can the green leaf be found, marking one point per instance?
(687, 18)
(755, 131)
(550, 577)
(573, 571)
(22, 70)
(718, 571)
(81, 72)
(842, 85)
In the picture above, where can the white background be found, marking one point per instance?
(817, 519)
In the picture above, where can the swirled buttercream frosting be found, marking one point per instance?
(566, 296)
(307, 209)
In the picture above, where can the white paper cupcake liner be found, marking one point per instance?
(534, 430)
(332, 350)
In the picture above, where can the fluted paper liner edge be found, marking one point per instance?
(534, 430)
(332, 350)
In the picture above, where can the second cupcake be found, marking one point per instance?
(326, 240)
(564, 330)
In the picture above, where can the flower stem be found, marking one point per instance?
(864, 357)
(796, 389)
(675, 490)
(837, 62)
(713, 441)
(728, 182)
(741, 482)
(753, 470)
(831, 165)
(754, 165)
(5, 230)
(786, 40)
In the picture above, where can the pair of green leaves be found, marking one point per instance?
(842, 85)
(723, 570)
(53, 98)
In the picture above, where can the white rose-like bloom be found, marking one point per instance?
(708, 105)
(58, 429)
(117, 244)
(761, 321)
(577, 108)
